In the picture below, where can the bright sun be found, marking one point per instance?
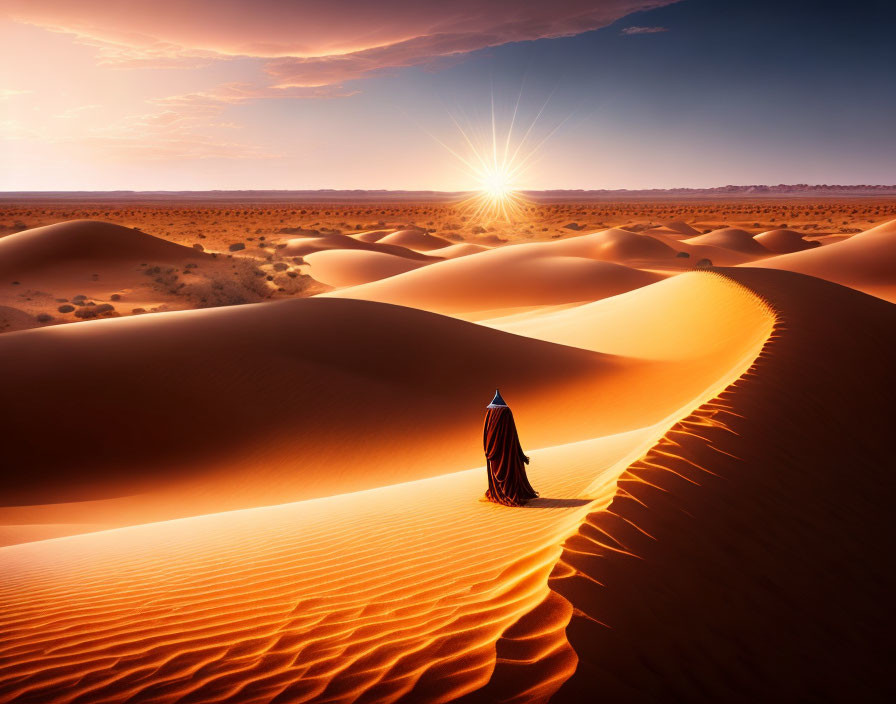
(496, 161)
(497, 184)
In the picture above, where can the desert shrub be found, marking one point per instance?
(44, 318)
(66, 308)
(683, 255)
(236, 247)
(704, 263)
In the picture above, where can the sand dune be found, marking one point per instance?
(307, 245)
(12, 319)
(649, 249)
(351, 267)
(731, 238)
(615, 245)
(371, 235)
(462, 249)
(396, 592)
(415, 239)
(77, 243)
(507, 277)
(84, 269)
(784, 241)
(866, 261)
(681, 228)
(246, 405)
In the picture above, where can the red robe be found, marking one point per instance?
(507, 481)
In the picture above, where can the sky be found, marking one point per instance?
(432, 95)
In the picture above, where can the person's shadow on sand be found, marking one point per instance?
(545, 502)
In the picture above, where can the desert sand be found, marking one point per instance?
(301, 519)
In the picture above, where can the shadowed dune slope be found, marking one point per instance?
(351, 267)
(398, 593)
(866, 261)
(82, 242)
(731, 238)
(784, 241)
(681, 228)
(254, 404)
(508, 277)
(747, 554)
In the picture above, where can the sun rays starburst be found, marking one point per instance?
(496, 156)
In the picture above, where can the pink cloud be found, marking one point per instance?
(313, 42)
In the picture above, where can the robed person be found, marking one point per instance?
(507, 480)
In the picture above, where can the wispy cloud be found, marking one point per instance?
(644, 30)
(6, 93)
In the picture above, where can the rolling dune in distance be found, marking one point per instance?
(415, 239)
(506, 277)
(301, 246)
(352, 267)
(65, 244)
(731, 238)
(784, 241)
(865, 261)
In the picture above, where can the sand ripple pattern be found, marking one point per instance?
(399, 592)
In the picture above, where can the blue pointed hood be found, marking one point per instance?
(497, 401)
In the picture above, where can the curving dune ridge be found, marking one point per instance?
(745, 557)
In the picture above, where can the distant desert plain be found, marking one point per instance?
(242, 454)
